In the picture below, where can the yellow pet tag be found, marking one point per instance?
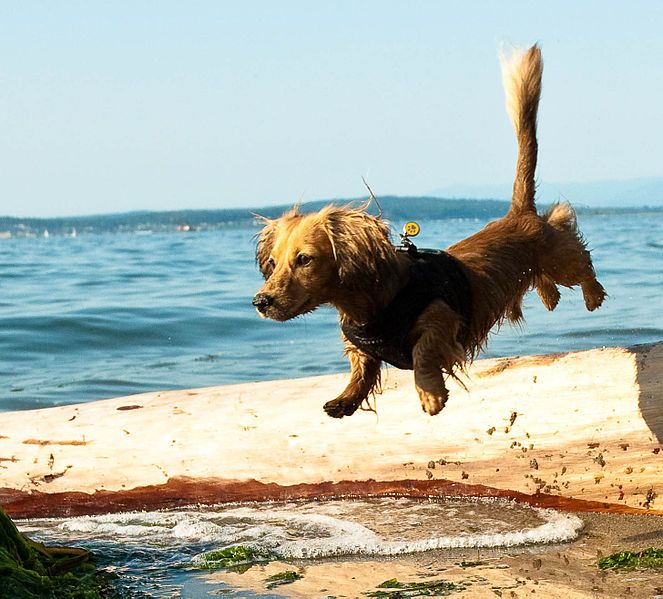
(411, 229)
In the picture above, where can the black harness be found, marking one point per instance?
(434, 274)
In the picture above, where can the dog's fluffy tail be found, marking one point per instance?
(521, 75)
(563, 217)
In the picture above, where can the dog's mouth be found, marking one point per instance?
(278, 312)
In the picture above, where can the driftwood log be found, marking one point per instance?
(579, 430)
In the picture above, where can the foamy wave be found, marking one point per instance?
(558, 528)
(326, 529)
(358, 540)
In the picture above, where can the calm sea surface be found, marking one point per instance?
(105, 315)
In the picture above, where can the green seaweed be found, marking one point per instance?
(31, 570)
(394, 589)
(471, 564)
(235, 557)
(285, 577)
(629, 560)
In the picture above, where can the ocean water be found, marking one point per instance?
(105, 315)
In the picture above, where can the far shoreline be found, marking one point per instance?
(396, 209)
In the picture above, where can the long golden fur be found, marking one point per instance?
(344, 257)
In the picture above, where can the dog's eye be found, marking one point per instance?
(303, 259)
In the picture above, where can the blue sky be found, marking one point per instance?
(115, 106)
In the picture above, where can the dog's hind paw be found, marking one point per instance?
(593, 294)
(339, 407)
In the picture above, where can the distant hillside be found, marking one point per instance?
(396, 209)
(646, 191)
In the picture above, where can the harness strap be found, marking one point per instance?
(434, 274)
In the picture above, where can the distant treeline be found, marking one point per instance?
(396, 209)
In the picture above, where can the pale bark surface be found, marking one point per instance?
(585, 425)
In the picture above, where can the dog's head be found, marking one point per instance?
(313, 259)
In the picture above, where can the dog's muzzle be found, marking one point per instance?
(262, 302)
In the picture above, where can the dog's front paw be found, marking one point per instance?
(339, 407)
(431, 403)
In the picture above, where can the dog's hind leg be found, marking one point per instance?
(566, 260)
(436, 349)
(547, 291)
(364, 379)
(593, 293)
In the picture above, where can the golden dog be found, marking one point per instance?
(428, 311)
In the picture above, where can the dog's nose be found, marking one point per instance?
(262, 301)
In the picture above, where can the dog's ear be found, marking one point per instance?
(362, 248)
(265, 244)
